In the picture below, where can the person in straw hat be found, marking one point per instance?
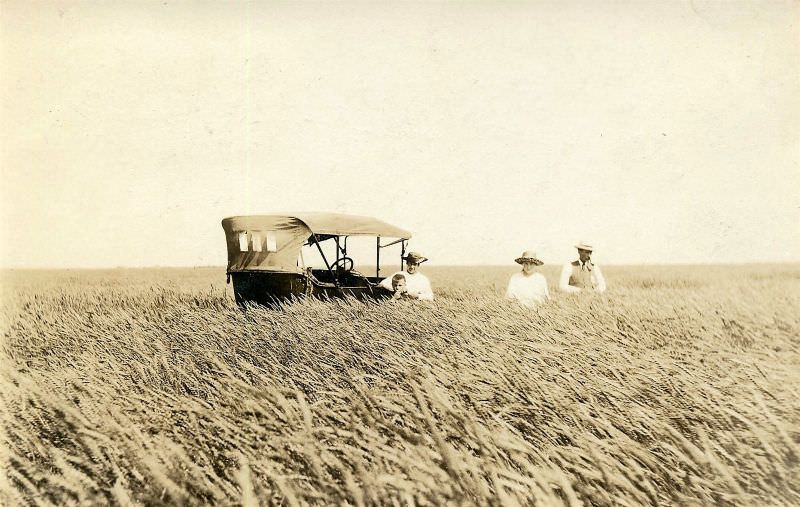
(582, 274)
(417, 285)
(528, 286)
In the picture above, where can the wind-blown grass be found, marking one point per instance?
(676, 386)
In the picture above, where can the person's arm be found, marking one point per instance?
(546, 289)
(599, 279)
(563, 283)
(386, 283)
(426, 295)
(424, 292)
(511, 292)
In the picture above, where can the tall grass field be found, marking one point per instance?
(678, 386)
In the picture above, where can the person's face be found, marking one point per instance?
(528, 267)
(412, 267)
(399, 285)
(584, 255)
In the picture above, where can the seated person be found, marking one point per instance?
(528, 287)
(417, 285)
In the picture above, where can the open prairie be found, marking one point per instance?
(679, 385)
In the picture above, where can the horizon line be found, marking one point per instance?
(510, 264)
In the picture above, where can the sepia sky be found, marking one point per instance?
(660, 132)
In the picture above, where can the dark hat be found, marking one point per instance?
(415, 257)
(528, 256)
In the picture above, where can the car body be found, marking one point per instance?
(266, 265)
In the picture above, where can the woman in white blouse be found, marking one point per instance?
(417, 285)
(529, 287)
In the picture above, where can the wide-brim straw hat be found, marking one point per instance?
(583, 246)
(528, 256)
(415, 257)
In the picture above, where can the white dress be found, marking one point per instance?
(528, 290)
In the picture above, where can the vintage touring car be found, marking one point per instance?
(266, 262)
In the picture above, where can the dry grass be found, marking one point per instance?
(679, 385)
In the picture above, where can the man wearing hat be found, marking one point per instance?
(417, 285)
(582, 274)
(528, 287)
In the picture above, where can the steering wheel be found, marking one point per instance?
(344, 264)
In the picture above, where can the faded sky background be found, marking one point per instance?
(658, 131)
